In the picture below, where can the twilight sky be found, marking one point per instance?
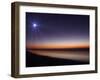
(45, 30)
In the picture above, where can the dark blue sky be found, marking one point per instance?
(56, 28)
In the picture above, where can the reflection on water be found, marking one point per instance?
(54, 57)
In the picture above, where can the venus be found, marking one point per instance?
(34, 25)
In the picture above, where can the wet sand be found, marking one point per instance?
(56, 57)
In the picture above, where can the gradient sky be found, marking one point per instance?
(47, 30)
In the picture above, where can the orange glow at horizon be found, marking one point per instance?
(56, 46)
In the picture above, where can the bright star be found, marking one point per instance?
(34, 25)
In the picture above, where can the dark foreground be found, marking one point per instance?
(34, 60)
